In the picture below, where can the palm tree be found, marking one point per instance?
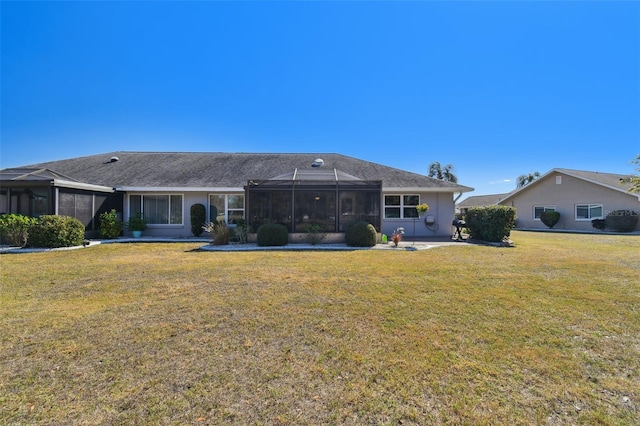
(634, 180)
(526, 179)
(442, 173)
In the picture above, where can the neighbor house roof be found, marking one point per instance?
(481, 200)
(609, 180)
(199, 170)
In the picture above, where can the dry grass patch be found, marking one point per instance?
(547, 332)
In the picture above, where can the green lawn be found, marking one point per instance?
(547, 332)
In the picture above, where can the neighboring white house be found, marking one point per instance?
(579, 196)
(293, 189)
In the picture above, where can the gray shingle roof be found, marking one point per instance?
(31, 174)
(225, 170)
(608, 179)
(481, 200)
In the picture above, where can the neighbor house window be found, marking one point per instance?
(157, 209)
(226, 207)
(589, 211)
(537, 210)
(401, 206)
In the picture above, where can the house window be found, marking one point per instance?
(589, 211)
(401, 206)
(226, 207)
(157, 209)
(537, 210)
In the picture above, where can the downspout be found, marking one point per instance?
(56, 198)
(246, 207)
(336, 209)
(292, 225)
(455, 200)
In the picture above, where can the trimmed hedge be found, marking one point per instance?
(273, 234)
(56, 231)
(14, 229)
(550, 218)
(110, 225)
(492, 223)
(621, 220)
(198, 218)
(361, 234)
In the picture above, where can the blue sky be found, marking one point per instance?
(497, 89)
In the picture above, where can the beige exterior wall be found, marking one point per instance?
(441, 207)
(565, 193)
(173, 231)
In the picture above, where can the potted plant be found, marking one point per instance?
(137, 224)
(396, 237)
(422, 208)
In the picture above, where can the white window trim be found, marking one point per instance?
(545, 207)
(226, 204)
(154, 225)
(589, 207)
(401, 206)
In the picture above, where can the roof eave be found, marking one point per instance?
(180, 189)
(452, 190)
(79, 185)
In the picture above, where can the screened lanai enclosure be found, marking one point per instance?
(37, 192)
(325, 197)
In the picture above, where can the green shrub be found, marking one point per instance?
(239, 233)
(56, 231)
(110, 225)
(622, 220)
(550, 218)
(198, 218)
(14, 229)
(361, 234)
(598, 224)
(220, 232)
(137, 222)
(314, 234)
(273, 234)
(492, 223)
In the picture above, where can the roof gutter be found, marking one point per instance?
(179, 189)
(460, 189)
(404, 189)
(79, 185)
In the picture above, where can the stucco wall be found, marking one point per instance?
(174, 231)
(565, 196)
(441, 207)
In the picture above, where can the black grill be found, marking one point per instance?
(459, 224)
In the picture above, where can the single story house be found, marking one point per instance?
(293, 189)
(479, 201)
(579, 196)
